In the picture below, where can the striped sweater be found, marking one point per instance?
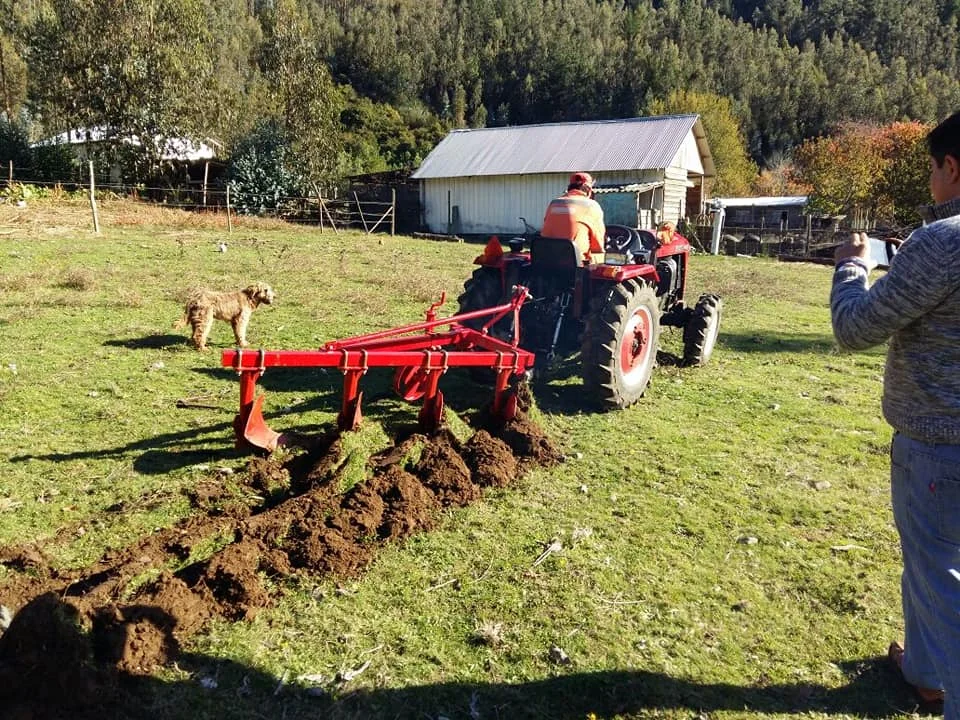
(916, 305)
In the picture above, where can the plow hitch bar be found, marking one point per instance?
(421, 353)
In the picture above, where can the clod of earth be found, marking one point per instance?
(71, 642)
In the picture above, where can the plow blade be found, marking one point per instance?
(253, 430)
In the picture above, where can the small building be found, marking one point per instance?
(192, 156)
(499, 180)
(769, 214)
(380, 189)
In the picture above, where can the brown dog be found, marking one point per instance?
(204, 306)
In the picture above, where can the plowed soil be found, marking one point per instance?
(78, 634)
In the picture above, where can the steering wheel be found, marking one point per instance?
(620, 238)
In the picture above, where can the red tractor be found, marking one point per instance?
(519, 309)
(611, 312)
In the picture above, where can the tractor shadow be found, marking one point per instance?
(207, 686)
(560, 390)
(779, 342)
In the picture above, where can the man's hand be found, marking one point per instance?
(857, 246)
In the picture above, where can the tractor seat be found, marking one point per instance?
(554, 261)
(554, 253)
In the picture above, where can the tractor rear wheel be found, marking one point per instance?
(619, 348)
(701, 330)
(484, 289)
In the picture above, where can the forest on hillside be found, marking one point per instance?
(349, 86)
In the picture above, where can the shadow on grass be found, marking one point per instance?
(150, 342)
(561, 392)
(92, 686)
(575, 696)
(158, 454)
(778, 342)
(321, 391)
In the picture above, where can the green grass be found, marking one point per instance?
(728, 549)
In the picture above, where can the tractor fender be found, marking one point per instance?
(622, 273)
(678, 245)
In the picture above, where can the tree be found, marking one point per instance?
(735, 170)
(780, 178)
(14, 145)
(374, 137)
(904, 184)
(874, 173)
(304, 102)
(132, 67)
(13, 70)
(239, 96)
(842, 169)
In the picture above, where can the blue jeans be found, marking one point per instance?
(925, 488)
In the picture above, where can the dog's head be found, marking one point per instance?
(260, 293)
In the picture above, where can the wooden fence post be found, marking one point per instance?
(229, 219)
(93, 200)
(360, 210)
(206, 174)
(10, 176)
(393, 207)
(323, 209)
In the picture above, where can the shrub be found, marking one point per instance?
(262, 171)
(54, 163)
(14, 145)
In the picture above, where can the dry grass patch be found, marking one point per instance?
(79, 279)
(15, 283)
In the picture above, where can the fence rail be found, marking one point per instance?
(335, 213)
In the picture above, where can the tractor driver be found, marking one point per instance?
(576, 216)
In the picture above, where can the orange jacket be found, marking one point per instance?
(575, 216)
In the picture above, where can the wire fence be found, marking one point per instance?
(336, 211)
(812, 241)
(329, 211)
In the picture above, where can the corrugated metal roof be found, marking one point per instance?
(764, 201)
(600, 145)
(632, 188)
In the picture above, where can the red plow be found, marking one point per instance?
(421, 353)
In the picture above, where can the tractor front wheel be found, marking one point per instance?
(700, 332)
(619, 348)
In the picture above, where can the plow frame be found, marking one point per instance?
(421, 352)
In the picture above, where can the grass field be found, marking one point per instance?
(727, 543)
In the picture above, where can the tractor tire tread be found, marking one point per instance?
(600, 341)
(700, 332)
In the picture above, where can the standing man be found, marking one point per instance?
(916, 305)
(576, 216)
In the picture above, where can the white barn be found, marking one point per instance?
(483, 181)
